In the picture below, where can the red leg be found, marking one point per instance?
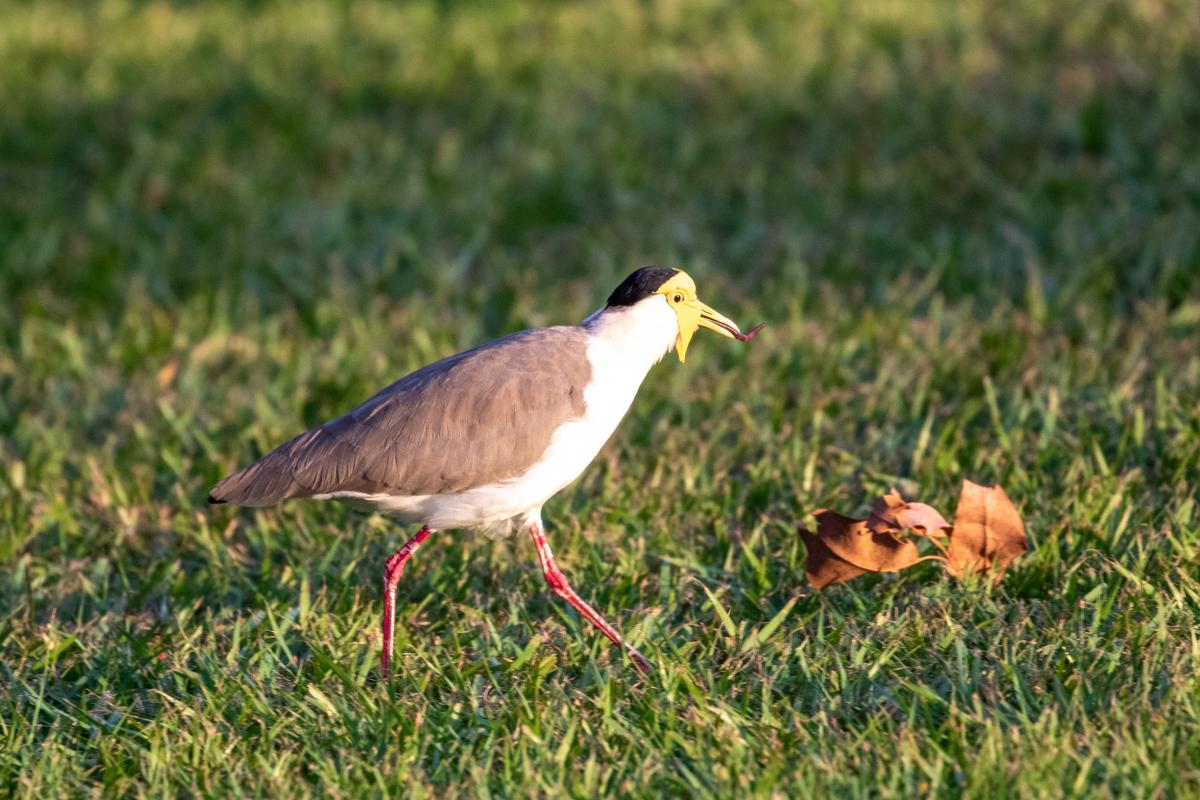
(391, 576)
(558, 583)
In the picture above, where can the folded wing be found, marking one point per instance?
(470, 420)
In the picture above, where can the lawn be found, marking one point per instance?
(973, 228)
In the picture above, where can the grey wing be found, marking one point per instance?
(469, 420)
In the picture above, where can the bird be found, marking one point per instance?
(484, 438)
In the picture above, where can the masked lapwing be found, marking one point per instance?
(484, 438)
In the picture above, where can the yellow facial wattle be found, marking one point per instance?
(680, 293)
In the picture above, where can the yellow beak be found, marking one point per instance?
(715, 321)
(693, 314)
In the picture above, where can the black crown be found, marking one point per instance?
(640, 285)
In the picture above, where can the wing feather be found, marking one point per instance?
(470, 420)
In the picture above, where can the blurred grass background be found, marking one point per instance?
(974, 228)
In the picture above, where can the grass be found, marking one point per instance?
(975, 231)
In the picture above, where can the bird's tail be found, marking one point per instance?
(263, 483)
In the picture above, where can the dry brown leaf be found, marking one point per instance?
(891, 513)
(988, 532)
(166, 374)
(822, 567)
(987, 535)
(852, 549)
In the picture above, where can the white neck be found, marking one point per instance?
(640, 334)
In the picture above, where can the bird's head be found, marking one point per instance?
(677, 289)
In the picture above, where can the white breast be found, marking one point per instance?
(622, 346)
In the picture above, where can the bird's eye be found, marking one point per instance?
(677, 298)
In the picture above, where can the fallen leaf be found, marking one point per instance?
(988, 532)
(987, 536)
(822, 567)
(166, 374)
(892, 513)
(844, 548)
